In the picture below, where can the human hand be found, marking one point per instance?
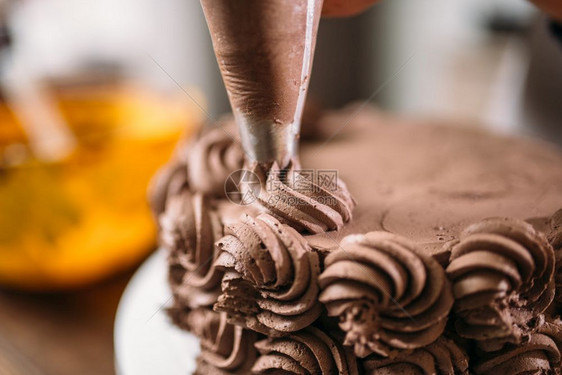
(552, 7)
(344, 8)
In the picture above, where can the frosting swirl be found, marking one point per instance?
(178, 313)
(555, 239)
(292, 196)
(225, 348)
(309, 351)
(442, 357)
(539, 355)
(271, 284)
(189, 228)
(502, 275)
(388, 295)
(212, 158)
(168, 181)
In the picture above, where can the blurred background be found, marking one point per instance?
(94, 95)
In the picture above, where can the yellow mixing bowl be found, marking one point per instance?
(74, 222)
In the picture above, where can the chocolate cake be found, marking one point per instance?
(393, 247)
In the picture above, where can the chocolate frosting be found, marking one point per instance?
(428, 192)
(388, 295)
(539, 355)
(309, 351)
(213, 157)
(179, 311)
(428, 180)
(301, 202)
(271, 281)
(225, 348)
(555, 239)
(168, 181)
(442, 357)
(189, 229)
(502, 275)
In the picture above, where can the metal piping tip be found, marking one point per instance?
(265, 142)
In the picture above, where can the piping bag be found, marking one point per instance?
(264, 49)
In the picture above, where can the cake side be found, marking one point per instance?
(419, 187)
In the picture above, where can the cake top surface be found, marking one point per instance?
(427, 181)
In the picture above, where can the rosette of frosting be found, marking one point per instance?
(170, 180)
(225, 348)
(309, 351)
(539, 355)
(178, 313)
(189, 229)
(555, 239)
(502, 275)
(212, 158)
(307, 200)
(271, 281)
(387, 294)
(442, 357)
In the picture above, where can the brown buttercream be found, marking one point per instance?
(202, 165)
(539, 355)
(170, 180)
(189, 229)
(309, 351)
(299, 201)
(430, 183)
(442, 357)
(428, 180)
(387, 294)
(225, 348)
(179, 310)
(271, 280)
(213, 157)
(502, 275)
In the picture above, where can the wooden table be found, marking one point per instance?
(63, 333)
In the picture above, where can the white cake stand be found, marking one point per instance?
(146, 343)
